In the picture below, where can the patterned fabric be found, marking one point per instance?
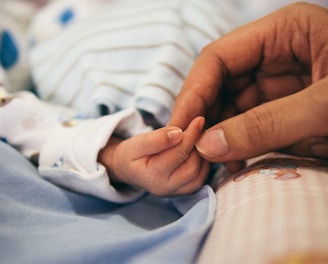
(15, 16)
(275, 209)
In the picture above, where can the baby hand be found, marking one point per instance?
(163, 162)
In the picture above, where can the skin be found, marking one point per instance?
(263, 87)
(163, 162)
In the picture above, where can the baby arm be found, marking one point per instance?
(163, 162)
(65, 149)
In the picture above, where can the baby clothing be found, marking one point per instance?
(123, 54)
(124, 59)
(67, 147)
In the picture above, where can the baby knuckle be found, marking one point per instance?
(163, 189)
(192, 169)
(198, 184)
(160, 191)
(183, 155)
(193, 173)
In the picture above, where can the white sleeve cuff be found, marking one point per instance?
(69, 157)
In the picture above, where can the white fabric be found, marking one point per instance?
(67, 148)
(69, 157)
(132, 53)
(27, 122)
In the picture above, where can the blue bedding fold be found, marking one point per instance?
(43, 223)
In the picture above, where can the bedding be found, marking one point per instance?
(274, 212)
(44, 223)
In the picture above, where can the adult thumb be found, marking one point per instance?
(268, 127)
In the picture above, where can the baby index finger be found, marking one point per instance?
(173, 157)
(154, 142)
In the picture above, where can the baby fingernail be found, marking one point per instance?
(174, 133)
(213, 143)
(319, 150)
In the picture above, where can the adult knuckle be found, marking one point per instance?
(260, 127)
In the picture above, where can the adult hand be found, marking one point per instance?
(262, 88)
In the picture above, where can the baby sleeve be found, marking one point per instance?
(66, 148)
(69, 157)
(27, 122)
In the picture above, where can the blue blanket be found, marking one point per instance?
(42, 223)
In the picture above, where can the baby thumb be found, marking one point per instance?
(268, 127)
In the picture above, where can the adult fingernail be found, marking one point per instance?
(174, 133)
(319, 150)
(213, 143)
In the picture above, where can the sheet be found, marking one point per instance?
(42, 223)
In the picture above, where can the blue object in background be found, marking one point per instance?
(66, 16)
(9, 53)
